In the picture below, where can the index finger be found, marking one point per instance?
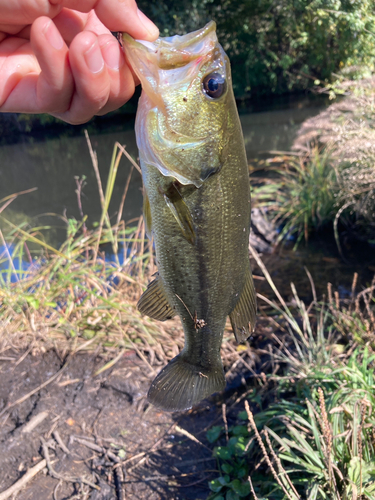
(116, 15)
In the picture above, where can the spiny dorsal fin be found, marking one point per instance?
(243, 315)
(147, 213)
(154, 302)
(181, 212)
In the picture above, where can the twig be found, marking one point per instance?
(56, 475)
(60, 442)
(24, 480)
(224, 410)
(34, 391)
(252, 489)
(123, 150)
(190, 436)
(34, 422)
(153, 448)
(119, 481)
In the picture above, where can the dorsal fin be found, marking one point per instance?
(154, 301)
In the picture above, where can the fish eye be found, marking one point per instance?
(214, 85)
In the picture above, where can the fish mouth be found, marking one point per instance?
(175, 51)
(182, 54)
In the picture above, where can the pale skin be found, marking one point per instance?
(59, 57)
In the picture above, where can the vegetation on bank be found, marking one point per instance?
(329, 179)
(311, 432)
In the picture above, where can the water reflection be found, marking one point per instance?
(52, 165)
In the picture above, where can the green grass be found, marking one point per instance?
(303, 197)
(315, 439)
(333, 182)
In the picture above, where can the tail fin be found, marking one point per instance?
(181, 385)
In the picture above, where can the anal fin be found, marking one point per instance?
(243, 316)
(154, 302)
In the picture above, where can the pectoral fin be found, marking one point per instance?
(147, 213)
(154, 302)
(243, 316)
(181, 212)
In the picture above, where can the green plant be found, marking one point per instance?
(305, 444)
(303, 197)
(278, 45)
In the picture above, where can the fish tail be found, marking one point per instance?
(181, 385)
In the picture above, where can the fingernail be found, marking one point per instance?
(53, 36)
(94, 59)
(148, 25)
(112, 55)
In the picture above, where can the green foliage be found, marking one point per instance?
(316, 439)
(278, 46)
(304, 197)
(325, 448)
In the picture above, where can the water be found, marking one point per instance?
(51, 166)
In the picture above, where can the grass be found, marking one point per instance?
(315, 439)
(303, 197)
(310, 430)
(330, 179)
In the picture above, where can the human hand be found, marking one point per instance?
(59, 57)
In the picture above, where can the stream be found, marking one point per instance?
(51, 166)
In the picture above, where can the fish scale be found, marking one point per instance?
(197, 207)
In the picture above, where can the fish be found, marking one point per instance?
(196, 206)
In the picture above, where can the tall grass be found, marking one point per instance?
(76, 294)
(303, 197)
(316, 439)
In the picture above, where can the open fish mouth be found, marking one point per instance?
(172, 52)
(152, 61)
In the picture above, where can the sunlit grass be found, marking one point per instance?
(303, 196)
(316, 440)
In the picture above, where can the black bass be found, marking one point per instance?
(196, 206)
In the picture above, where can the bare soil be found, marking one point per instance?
(101, 438)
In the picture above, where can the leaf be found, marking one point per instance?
(240, 488)
(215, 485)
(227, 468)
(213, 434)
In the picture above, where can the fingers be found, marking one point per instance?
(39, 79)
(116, 15)
(103, 82)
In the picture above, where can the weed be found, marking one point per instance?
(303, 198)
(316, 440)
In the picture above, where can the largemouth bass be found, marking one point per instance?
(196, 206)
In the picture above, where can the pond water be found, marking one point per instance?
(51, 166)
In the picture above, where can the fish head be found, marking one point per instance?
(182, 117)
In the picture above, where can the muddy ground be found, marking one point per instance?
(100, 437)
